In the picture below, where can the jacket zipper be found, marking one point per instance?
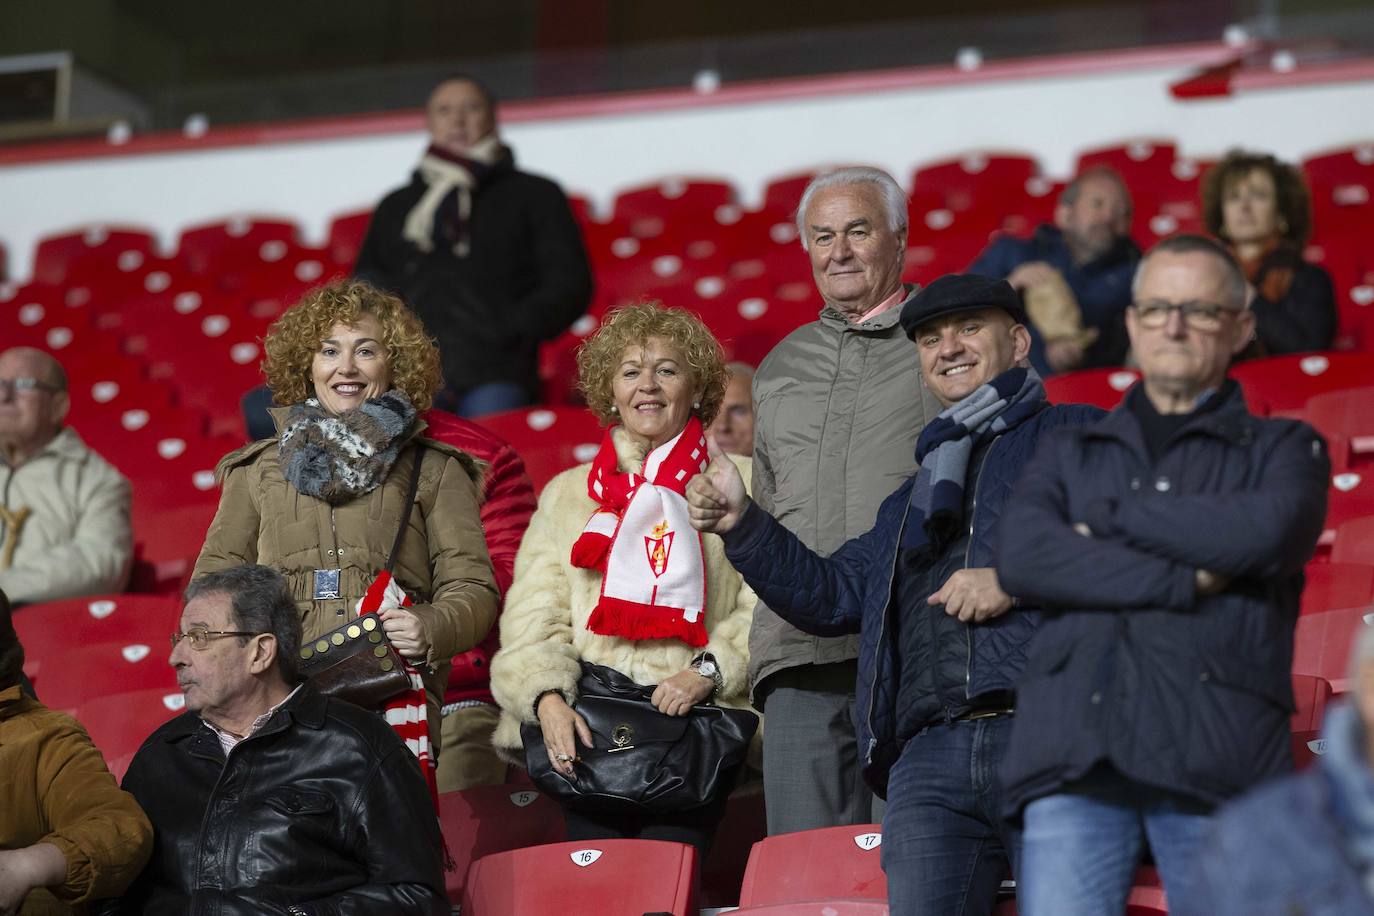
(968, 558)
(882, 630)
(338, 561)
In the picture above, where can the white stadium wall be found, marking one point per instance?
(1053, 108)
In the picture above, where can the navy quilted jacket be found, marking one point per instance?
(1183, 692)
(851, 590)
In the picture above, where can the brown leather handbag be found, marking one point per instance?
(356, 662)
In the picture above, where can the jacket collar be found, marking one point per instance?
(66, 444)
(1230, 420)
(888, 319)
(306, 707)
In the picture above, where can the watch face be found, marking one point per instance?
(707, 669)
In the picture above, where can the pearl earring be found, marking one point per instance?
(696, 405)
(615, 409)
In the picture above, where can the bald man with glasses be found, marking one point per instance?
(1166, 544)
(64, 511)
(265, 796)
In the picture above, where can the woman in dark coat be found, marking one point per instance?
(1261, 208)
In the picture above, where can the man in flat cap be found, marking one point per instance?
(941, 644)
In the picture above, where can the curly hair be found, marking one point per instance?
(599, 357)
(1292, 197)
(294, 339)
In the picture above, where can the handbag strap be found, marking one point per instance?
(410, 501)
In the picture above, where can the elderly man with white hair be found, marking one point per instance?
(837, 405)
(1304, 844)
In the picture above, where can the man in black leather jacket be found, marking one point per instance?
(265, 796)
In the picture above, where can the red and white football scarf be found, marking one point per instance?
(407, 712)
(654, 582)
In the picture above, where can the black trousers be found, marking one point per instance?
(696, 827)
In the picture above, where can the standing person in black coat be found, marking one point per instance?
(1166, 544)
(489, 257)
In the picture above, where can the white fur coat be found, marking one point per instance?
(544, 626)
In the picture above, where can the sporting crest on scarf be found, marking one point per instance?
(657, 546)
(657, 590)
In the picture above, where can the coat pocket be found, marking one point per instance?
(1238, 731)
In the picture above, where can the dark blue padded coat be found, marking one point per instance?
(852, 590)
(1186, 693)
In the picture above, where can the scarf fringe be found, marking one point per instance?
(633, 620)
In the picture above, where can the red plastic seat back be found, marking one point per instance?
(57, 255)
(1337, 585)
(548, 439)
(833, 862)
(1322, 643)
(71, 677)
(491, 819)
(346, 234)
(1354, 541)
(1287, 382)
(585, 878)
(57, 627)
(828, 907)
(1100, 387)
(119, 723)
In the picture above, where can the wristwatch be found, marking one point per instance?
(705, 665)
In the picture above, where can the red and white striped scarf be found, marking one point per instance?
(407, 712)
(654, 574)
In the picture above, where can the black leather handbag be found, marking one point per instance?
(642, 761)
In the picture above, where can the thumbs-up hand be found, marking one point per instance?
(716, 497)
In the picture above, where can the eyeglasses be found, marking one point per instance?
(200, 637)
(1200, 316)
(20, 385)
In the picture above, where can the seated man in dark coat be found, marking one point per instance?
(265, 796)
(488, 256)
(941, 642)
(1075, 276)
(1166, 544)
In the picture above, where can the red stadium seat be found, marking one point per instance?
(585, 878)
(1350, 496)
(1354, 542)
(119, 723)
(675, 197)
(1322, 643)
(1287, 382)
(202, 247)
(784, 193)
(1346, 418)
(549, 439)
(1101, 387)
(490, 819)
(167, 540)
(55, 627)
(72, 676)
(833, 862)
(1311, 694)
(346, 234)
(56, 255)
(1337, 585)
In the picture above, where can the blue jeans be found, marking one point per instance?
(1083, 844)
(480, 400)
(945, 847)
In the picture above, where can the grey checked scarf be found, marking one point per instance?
(945, 447)
(335, 458)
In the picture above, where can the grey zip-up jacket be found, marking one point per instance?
(837, 409)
